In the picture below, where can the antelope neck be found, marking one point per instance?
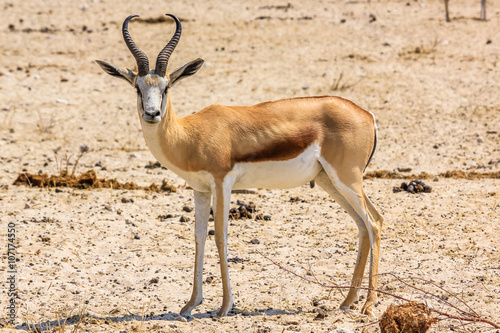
(165, 139)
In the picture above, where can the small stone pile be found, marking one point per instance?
(415, 186)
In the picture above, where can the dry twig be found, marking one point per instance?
(468, 315)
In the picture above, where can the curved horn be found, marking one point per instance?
(164, 55)
(140, 57)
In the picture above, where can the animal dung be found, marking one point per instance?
(244, 211)
(411, 317)
(415, 186)
(184, 219)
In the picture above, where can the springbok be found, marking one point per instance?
(280, 144)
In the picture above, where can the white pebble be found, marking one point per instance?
(344, 330)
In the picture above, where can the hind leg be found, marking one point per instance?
(353, 199)
(375, 257)
(325, 183)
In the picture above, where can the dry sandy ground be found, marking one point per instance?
(433, 86)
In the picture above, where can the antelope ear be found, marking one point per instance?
(185, 71)
(121, 73)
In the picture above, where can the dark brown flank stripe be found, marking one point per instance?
(282, 150)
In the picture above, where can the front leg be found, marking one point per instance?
(222, 199)
(202, 213)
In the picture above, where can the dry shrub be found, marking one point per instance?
(411, 317)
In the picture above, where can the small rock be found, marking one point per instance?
(322, 314)
(267, 217)
(136, 236)
(62, 101)
(211, 232)
(162, 217)
(187, 209)
(154, 280)
(184, 219)
(436, 179)
(255, 241)
(344, 330)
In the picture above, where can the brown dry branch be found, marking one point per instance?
(468, 315)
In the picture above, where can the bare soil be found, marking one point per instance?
(110, 260)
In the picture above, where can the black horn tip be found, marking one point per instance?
(173, 16)
(129, 18)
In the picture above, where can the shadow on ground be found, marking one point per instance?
(170, 316)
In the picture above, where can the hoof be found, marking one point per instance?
(367, 309)
(224, 311)
(186, 316)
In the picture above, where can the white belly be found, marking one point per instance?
(278, 174)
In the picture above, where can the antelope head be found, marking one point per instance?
(152, 85)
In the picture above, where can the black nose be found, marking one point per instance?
(153, 114)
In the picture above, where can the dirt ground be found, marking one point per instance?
(102, 260)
